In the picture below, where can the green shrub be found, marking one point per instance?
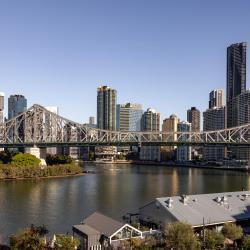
(180, 236)
(58, 159)
(13, 171)
(25, 160)
(246, 243)
(213, 239)
(66, 242)
(31, 238)
(232, 231)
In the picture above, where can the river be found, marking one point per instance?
(113, 190)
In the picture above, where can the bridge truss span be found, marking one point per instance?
(38, 126)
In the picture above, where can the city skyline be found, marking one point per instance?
(160, 49)
(124, 124)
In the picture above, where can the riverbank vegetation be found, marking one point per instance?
(176, 236)
(180, 236)
(18, 166)
(36, 238)
(58, 160)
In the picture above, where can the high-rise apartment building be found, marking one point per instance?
(214, 119)
(241, 109)
(129, 117)
(183, 152)
(241, 116)
(1, 107)
(106, 108)
(16, 105)
(236, 76)
(169, 125)
(237, 98)
(193, 117)
(150, 121)
(92, 121)
(216, 98)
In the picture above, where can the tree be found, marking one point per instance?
(246, 243)
(148, 243)
(65, 242)
(213, 239)
(180, 236)
(232, 231)
(29, 239)
(58, 159)
(6, 156)
(25, 160)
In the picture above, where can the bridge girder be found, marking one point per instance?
(38, 126)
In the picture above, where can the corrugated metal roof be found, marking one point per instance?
(103, 224)
(213, 208)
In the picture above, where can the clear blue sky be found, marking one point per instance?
(164, 54)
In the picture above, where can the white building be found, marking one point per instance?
(197, 210)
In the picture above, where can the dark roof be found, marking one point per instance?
(86, 229)
(103, 224)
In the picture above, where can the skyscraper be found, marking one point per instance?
(129, 117)
(193, 117)
(106, 108)
(183, 152)
(16, 105)
(150, 122)
(92, 121)
(214, 118)
(236, 76)
(1, 107)
(216, 98)
(241, 116)
(169, 125)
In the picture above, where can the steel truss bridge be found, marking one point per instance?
(41, 128)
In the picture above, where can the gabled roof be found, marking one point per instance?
(103, 224)
(213, 208)
(86, 229)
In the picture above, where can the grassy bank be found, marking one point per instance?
(9, 171)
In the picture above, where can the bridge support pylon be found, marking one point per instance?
(40, 153)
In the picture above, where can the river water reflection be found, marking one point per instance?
(113, 190)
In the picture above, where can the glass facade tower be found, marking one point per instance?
(236, 76)
(129, 117)
(16, 105)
